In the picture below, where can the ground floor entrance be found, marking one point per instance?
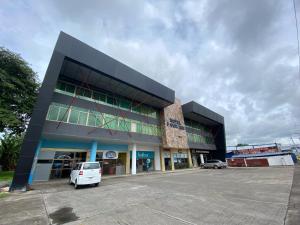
(174, 159)
(112, 162)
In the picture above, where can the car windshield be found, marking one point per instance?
(89, 166)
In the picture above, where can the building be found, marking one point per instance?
(262, 159)
(93, 108)
(262, 155)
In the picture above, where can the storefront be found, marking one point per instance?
(57, 163)
(112, 162)
(199, 157)
(180, 158)
(167, 160)
(145, 161)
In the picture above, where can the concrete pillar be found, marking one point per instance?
(37, 152)
(201, 158)
(172, 160)
(162, 160)
(127, 169)
(157, 160)
(190, 163)
(133, 160)
(93, 151)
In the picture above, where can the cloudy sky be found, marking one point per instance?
(237, 57)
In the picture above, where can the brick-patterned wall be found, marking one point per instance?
(173, 137)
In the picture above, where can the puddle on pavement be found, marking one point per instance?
(63, 215)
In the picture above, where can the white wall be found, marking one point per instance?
(280, 160)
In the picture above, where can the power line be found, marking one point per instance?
(297, 29)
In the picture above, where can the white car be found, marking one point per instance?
(86, 173)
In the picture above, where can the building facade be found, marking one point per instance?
(93, 108)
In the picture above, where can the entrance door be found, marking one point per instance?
(168, 165)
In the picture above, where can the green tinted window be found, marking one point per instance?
(110, 100)
(111, 122)
(74, 114)
(63, 114)
(125, 104)
(92, 119)
(99, 96)
(79, 91)
(82, 118)
(61, 86)
(53, 112)
(70, 88)
(124, 125)
(136, 108)
(83, 92)
(139, 127)
(87, 93)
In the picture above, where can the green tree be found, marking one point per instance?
(10, 146)
(18, 92)
(241, 144)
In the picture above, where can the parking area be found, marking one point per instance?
(229, 196)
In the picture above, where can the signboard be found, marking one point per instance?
(175, 124)
(110, 155)
(199, 151)
(144, 155)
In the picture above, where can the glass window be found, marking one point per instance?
(53, 112)
(82, 118)
(92, 119)
(74, 114)
(136, 107)
(110, 100)
(111, 122)
(83, 92)
(70, 88)
(99, 96)
(63, 114)
(61, 86)
(124, 125)
(90, 166)
(125, 104)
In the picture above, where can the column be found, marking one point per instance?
(162, 160)
(189, 158)
(172, 160)
(157, 160)
(31, 176)
(133, 158)
(201, 158)
(93, 151)
(127, 169)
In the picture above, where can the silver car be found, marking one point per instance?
(214, 163)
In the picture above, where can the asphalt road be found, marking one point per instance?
(245, 196)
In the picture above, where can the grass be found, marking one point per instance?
(3, 194)
(6, 175)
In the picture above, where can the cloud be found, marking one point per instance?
(238, 58)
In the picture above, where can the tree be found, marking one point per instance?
(18, 92)
(10, 146)
(241, 144)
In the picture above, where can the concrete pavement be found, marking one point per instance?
(244, 196)
(293, 212)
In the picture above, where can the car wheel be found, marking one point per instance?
(76, 185)
(97, 184)
(215, 167)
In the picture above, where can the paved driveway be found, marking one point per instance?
(231, 196)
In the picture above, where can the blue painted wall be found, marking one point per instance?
(82, 145)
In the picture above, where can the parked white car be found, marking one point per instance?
(86, 173)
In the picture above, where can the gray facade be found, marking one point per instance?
(80, 65)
